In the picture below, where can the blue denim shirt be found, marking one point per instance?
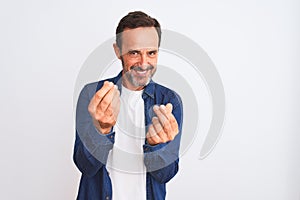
(92, 148)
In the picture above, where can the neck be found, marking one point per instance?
(126, 83)
(129, 86)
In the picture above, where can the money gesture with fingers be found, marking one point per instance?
(164, 127)
(104, 107)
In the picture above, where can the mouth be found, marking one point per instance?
(140, 71)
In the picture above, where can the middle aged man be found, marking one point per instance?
(128, 128)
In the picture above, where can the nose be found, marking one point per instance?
(144, 60)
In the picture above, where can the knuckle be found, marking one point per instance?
(154, 119)
(166, 129)
(172, 120)
(164, 140)
(109, 120)
(90, 109)
(155, 140)
(109, 111)
(97, 117)
(98, 112)
(104, 102)
(113, 122)
(103, 119)
(98, 95)
(167, 124)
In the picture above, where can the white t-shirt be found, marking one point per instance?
(125, 163)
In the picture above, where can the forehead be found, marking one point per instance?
(140, 38)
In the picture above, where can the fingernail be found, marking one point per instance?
(110, 83)
(154, 118)
(163, 107)
(155, 107)
(116, 86)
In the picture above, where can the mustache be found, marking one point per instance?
(139, 68)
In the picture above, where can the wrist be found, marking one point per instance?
(105, 130)
(101, 129)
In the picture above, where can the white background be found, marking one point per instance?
(254, 45)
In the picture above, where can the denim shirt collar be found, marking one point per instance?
(148, 90)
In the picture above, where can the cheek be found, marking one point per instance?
(126, 62)
(153, 61)
(129, 62)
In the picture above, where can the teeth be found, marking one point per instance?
(141, 72)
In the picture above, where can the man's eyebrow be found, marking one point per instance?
(153, 51)
(139, 50)
(134, 50)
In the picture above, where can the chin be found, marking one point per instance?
(139, 83)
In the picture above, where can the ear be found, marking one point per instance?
(117, 50)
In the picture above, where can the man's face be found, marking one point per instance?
(139, 55)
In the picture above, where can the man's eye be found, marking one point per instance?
(152, 53)
(133, 53)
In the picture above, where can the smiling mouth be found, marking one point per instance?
(140, 71)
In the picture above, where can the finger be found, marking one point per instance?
(103, 91)
(152, 136)
(157, 126)
(117, 110)
(107, 99)
(167, 127)
(116, 104)
(159, 130)
(159, 111)
(99, 95)
(172, 121)
(174, 124)
(171, 118)
(116, 97)
(149, 139)
(169, 107)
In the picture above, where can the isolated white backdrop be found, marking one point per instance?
(254, 44)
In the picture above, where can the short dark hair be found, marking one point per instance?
(133, 20)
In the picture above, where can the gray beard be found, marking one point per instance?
(137, 83)
(130, 77)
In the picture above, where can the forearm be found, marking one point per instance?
(91, 147)
(162, 160)
(91, 152)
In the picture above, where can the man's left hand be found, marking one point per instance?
(164, 127)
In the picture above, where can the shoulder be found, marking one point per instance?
(162, 88)
(93, 87)
(90, 88)
(167, 94)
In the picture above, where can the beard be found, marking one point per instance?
(139, 76)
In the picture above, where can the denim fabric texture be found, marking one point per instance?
(91, 147)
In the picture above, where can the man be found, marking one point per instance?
(128, 128)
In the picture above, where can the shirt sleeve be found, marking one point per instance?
(162, 160)
(91, 147)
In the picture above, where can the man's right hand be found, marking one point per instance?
(104, 107)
